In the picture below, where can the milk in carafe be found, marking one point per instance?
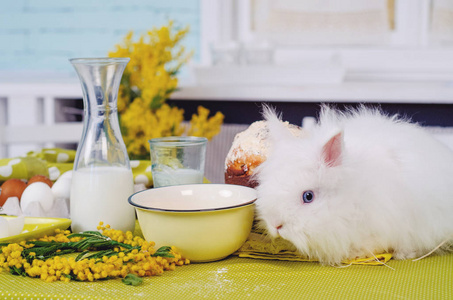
(102, 195)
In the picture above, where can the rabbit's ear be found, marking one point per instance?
(332, 150)
(277, 131)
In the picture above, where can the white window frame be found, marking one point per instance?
(225, 20)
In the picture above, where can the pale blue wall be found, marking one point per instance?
(40, 35)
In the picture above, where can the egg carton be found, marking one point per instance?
(39, 200)
(59, 208)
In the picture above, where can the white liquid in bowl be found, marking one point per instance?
(194, 197)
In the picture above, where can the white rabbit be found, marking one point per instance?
(362, 183)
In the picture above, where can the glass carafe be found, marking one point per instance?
(102, 178)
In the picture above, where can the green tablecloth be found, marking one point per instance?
(241, 278)
(53, 162)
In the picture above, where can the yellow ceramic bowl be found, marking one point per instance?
(205, 222)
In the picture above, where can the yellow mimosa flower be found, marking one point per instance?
(148, 81)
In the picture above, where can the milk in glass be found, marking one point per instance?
(176, 176)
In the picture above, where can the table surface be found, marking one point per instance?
(239, 278)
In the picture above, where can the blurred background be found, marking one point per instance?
(293, 54)
(38, 37)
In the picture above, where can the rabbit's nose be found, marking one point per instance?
(278, 229)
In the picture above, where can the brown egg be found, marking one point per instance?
(11, 188)
(40, 178)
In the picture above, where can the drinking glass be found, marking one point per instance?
(177, 160)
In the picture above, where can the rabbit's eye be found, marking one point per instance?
(308, 196)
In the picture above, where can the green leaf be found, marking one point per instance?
(169, 91)
(86, 234)
(163, 251)
(163, 254)
(132, 279)
(156, 102)
(70, 276)
(100, 254)
(17, 271)
(81, 255)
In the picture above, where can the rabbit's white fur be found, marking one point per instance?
(381, 184)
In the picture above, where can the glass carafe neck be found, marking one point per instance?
(101, 143)
(100, 79)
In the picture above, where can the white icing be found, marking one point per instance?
(253, 141)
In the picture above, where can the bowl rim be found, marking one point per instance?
(189, 210)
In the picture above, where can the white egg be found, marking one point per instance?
(16, 225)
(4, 228)
(11, 226)
(67, 175)
(62, 188)
(37, 192)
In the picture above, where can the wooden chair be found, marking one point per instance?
(43, 135)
